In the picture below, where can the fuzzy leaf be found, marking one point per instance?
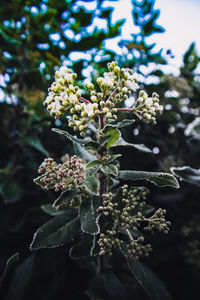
(56, 232)
(21, 279)
(153, 286)
(81, 152)
(50, 210)
(160, 179)
(39, 182)
(140, 147)
(69, 136)
(65, 197)
(95, 247)
(10, 262)
(187, 174)
(92, 145)
(113, 157)
(89, 215)
(93, 163)
(83, 248)
(110, 169)
(92, 184)
(113, 133)
(125, 122)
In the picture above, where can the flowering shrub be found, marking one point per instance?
(98, 207)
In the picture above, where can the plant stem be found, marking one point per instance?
(101, 179)
(84, 100)
(124, 109)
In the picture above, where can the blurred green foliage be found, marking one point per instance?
(26, 139)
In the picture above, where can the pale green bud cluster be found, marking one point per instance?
(82, 114)
(108, 208)
(108, 241)
(127, 213)
(158, 222)
(147, 107)
(135, 249)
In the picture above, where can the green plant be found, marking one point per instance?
(98, 207)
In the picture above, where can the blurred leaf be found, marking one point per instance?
(35, 143)
(10, 262)
(10, 190)
(187, 174)
(21, 278)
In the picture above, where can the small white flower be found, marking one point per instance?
(73, 99)
(149, 101)
(89, 109)
(68, 77)
(56, 106)
(77, 107)
(63, 70)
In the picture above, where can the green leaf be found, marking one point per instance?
(21, 279)
(92, 145)
(50, 210)
(81, 152)
(113, 157)
(92, 184)
(110, 169)
(140, 147)
(187, 174)
(89, 216)
(95, 247)
(35, 143)
(125, 122)
(69, 136)
(113, 133)
(153, 286)
(65, 197)
(83, 248)
(160, 179)
(56, 232)
(39, 182)
(10, 262)
(93, 163)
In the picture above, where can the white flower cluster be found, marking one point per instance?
(116, 85)
(147, 107)
(62, 94)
